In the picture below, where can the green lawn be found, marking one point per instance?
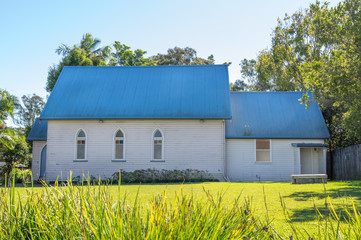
(299, 199)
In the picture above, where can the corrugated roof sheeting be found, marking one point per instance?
(151, 92)
(274, 115)
(39, 131)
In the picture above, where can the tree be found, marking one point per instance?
(7, 104)
(33, 106)
(182, 56)
(124, 56)
(238, 85)
(85, 54)
(317, 50)
(18, 154)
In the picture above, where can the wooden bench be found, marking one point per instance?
(309, 178)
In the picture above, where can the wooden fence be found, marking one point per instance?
(345, 163)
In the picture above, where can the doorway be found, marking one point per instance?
(310, 160)
(43, 162)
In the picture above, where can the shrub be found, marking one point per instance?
(90, 179)
(163, 176)
(21, 176)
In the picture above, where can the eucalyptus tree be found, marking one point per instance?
(29, 110)
(125, 56)
(182, 56)
(317, 49)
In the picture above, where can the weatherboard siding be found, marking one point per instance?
(242, 165)
(188, 144)
(36, 161)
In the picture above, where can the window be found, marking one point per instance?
(119, 145)
(158, 145)
(80, 145)
(263, 150)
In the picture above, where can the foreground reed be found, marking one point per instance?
(334, 223)
(89, 212)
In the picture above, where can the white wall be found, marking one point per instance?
(35, 165)
(187, 144)
(242, 165)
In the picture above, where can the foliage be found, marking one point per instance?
(124, 56)
(163, 176)
(6, 139)
(33, 106)
(87, 53)
(317, 50)
(84, 54)
(7, 104)
(182, 56)
(21, 176)
(19, 154)
(70, 212)
(238, 85)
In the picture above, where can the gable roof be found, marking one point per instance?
(274, 115)
(39, 131)
(145, 92)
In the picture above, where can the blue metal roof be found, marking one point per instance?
(145, 92)
(274, 115)
(39, 131)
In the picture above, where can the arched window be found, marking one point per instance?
(119, 145)
(157, 145)
(80, 145)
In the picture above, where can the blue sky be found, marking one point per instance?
(230, 30)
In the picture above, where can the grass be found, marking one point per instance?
(304, 203)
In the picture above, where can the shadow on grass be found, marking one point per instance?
(311, 214)
(353, 192)
(308, 214)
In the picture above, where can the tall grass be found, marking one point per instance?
(67, 211)
(343, 222)
(89, 212)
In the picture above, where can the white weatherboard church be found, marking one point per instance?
(101, 119)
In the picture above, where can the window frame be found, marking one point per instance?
(76, 159)
(114, 146)
(152, 144)
(255, 151)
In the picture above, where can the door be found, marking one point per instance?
(309, 161)
(306, 161)
(43, 162)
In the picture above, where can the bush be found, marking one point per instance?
(89, 179)
(21, 176)
(163, 176)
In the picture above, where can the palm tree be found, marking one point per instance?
(7, 137)
(88, 44)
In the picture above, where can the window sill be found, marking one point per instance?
(118, 160)
(157, 160)
(80, 160)
(262, 162)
